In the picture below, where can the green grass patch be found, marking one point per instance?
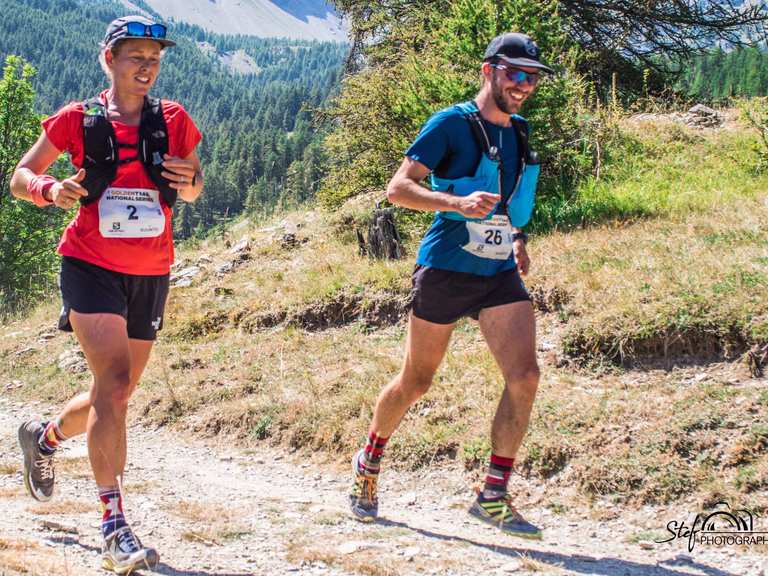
(656, 171)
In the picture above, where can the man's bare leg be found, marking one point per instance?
(510, 331)
(425, 348)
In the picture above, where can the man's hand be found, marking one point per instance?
(521, 257)
(478, 204)
(64, 194)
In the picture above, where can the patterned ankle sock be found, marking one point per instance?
(111, 510)
(51, 437)
(499, 471)
(370, 462)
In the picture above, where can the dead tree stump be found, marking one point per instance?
(384, 241)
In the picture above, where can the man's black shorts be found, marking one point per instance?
(444, 296)
(90, 289)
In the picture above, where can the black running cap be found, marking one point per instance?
(118, 30)
(516, 49)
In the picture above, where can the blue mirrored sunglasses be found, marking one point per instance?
(140, 30)
(518, 76)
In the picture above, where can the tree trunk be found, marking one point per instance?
(384, 241)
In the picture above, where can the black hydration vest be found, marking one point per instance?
(102, 155)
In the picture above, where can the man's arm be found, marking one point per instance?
(404, 190)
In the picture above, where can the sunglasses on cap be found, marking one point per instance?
(137, 30)
(141, 30)
(518, 76)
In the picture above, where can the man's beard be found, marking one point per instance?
(500, 100)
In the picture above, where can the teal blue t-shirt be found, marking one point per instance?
(446, 146)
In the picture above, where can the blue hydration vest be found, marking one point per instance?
(488, 174)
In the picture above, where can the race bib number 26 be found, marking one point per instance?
(130, 213)
(490, 238)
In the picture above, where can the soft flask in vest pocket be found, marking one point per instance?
(520, 205)
(486, 178)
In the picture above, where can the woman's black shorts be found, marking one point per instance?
(444, 296)
(90, 289)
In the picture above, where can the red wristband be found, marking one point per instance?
(38, 186)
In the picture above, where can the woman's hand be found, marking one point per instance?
(64, 194)
(179, 172)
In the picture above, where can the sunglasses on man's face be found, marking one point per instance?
(518, 76)
(141, 30)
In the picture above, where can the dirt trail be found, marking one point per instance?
(219, 512)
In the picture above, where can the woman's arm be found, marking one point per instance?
(185, 175)
(34, 163)
(29, 181)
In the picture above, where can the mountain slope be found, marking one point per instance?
(257, 124)
(308, 20)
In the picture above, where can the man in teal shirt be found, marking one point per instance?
(470, 263)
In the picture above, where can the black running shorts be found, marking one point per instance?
(90, 289)
(444, 296)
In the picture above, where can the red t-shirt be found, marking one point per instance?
(82, 239)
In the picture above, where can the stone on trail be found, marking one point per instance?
(351, 547)
(72, 361)
(512, 566)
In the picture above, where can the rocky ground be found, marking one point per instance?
(217, 511)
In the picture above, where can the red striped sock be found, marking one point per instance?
(497, 479)
(372, 453)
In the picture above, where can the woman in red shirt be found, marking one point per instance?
(117, 254)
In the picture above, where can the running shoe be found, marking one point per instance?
(122, 553)
(38, 467)
(502, 514)
(363, 500)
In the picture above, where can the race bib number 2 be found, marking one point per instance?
(490, 238)
(130, 213)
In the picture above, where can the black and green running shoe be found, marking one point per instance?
(363, 500)
(500, 513)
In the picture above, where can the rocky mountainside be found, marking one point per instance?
(302, 19)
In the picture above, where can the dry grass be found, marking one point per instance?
(38, 371)
(361, 562)
(79, 467)
(28, 558)
(529, 564)
(687, 275)
(381, 556)
(11, 491)
(687, 278)
(697, 287)
(17, 545)
(9, 468)
(64, 507)
(213, 524)
(305, 277)
(32, 565)
(140, 487)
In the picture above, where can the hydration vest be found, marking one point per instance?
(489, 172)
(102, 156)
